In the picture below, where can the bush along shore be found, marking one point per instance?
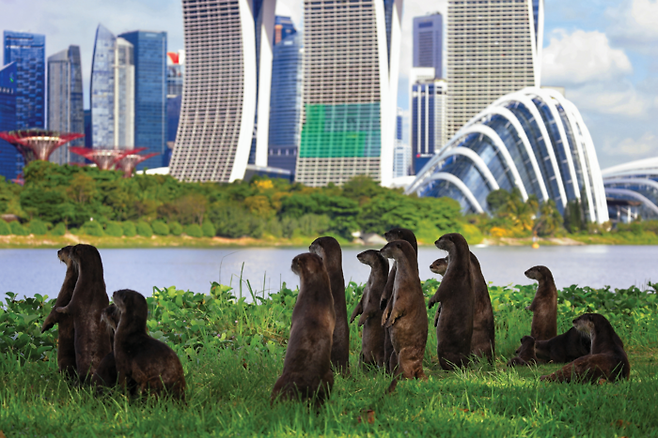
(105, 209)
(232, 342)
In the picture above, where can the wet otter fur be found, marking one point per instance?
(544, 305)
(152, 365)
(607, 360)
(329, 251)
(525, 354)
(89, 299)
(564, 348)
(407, 318)
(483, 341)
(307, 369)
(372, 343)
(106, 373)
(65, 328)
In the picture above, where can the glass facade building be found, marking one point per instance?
(351, 58)
(534, 140)
(175, 78)
(11, 161)
(428, 120)
(65, 108)
(150, 95)
(286, 98)
(428, 42)
(632, 190)
(226, 95)
(28, 50)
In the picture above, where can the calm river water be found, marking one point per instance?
(30, 271)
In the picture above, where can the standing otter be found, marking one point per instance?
(329, 251)
(307, 365)
(89, 299)
(455, 293)
(372, 344)
(106, 373)
(525, 354)
(544, 306)
(607, 360)
(392, 235)
(407, 318)
(483, 342)
(147, 362)
(65, 330)
(564, 348)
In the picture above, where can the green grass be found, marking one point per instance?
(232, 352)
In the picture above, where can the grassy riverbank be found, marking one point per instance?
(232, 353)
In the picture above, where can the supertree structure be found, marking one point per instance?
(37, 144)
(130, 161)
(111, 158)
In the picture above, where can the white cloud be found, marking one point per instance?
(582, 57)
(635, 22)
(646, 146)
(293, 9)
(620, 98)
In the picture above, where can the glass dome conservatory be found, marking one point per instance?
(632, 190)
(533, 139)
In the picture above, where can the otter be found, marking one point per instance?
(407, 317)
(65, 329)
(483, 341)
(454, 328)
(89, 299)
(372, 344)
(307, 369)
(148, 363)
(564, 348)
(525, 354)
(392, 235)
(544, 305)
(329, 251)
(607, 359)
(106, 373)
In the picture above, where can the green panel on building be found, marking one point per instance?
(347, 130)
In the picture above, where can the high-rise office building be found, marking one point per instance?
(65, 108)
(283, 28)
(226, 98)
(428, 42)
(175, 77)
(88, 136)
(494, 48)
(11, 162)
(150, 63)
(112, 91)
(286, 100)
(351, 58)
(28, 50)
(428, 120)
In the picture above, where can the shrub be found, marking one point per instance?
(208, 229)
(129, 229)
(114, 229)
(175, 228)
(58, 230)
(4, 228)
(92, 228)
(38, 227)
(193, 230)
(144, 229)
(160, 228)
(18, 229)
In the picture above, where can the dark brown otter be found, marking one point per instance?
(483, 341)
(65, 330)
(544, 305)
(307, 366)
(564, 348)
(106, 373)
(89, 299)
(607, 360)
(392, 235)
(525, 354)
(454, 328)
(407, 319)
(372, 343)
(152, 365)
(329, 251)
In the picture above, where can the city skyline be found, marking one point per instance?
(599, 52)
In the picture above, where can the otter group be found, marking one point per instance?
(108, 345)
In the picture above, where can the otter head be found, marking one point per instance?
(585, 324)
(132, 303)
(526, 342)
(307, 263)
(328, 249)
(64, 254)
(440, 266)
(451, 242)
(111, 316)
(367, 257)
(536, 272)
(401, 234)
(395, 249)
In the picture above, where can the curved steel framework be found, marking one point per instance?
(37, 144)
(538, 133)
(634, 181)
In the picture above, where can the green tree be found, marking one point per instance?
(5, 230)
(549, 220)
(208, 229)
(129, 229)
(17, 229)
(38, 227)
(160, 228)
(144, 229)
(193, 230)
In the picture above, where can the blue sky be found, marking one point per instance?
(603, 52)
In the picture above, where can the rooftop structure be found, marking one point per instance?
(428, 42)
(37, 144)
(632, 190)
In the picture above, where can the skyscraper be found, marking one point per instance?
(428, 42)
(112, 91)
(494, 48)
(428, 120)
(226, 98)
(150, 60)
(351, 56)
(28, 50)
(11, 162)
(286, 99)
(175, 76)
(65, 108)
